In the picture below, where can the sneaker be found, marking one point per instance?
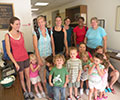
(81, 91)
(43, 95)
(39, 95)
(87, 91)
(69, 98)
(31, 95)
(26, 95)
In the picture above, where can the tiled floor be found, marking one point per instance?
(110, 95)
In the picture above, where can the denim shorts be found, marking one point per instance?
(23, 64)
(75, 84)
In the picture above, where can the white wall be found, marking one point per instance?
(103, 9)
(22, 10)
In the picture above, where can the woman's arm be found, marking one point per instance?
(53, 46)
(7, 46)
(74, 35)
(65, 41)
(35, 44)
(105, 44)
(85, 40)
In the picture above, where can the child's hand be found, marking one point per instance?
(51, 84)
(65, 85)
(78, 79)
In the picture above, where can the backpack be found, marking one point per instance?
(38, 33)
(5, 56)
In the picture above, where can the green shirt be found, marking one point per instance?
(59, 76)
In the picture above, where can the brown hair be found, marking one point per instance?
(94, 18)
(49, 59)
(99, 47)
(81, 18)
(12, 20)
(58, 56)
(66, 19)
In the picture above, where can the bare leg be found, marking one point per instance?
(36, 88)
(27, 79)
(95, 91)
(81, 84)
(115, 76)
(76, 90)
(21, 74)
(70, 91)
(40, 87)
(90, 94)
(101, 94)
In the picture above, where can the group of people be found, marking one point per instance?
(86, 59)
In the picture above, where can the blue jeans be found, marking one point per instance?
(49, 90)
(57, 91)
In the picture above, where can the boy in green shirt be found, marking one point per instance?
(60, 77)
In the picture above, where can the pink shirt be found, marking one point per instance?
(18, 49)
(33, 74)
(78, 56)
(80, 34)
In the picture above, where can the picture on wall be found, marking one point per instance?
(6, 12)
(101, 22)
(117, 26)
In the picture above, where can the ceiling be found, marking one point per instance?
(52, 4)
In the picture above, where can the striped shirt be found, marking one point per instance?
(44, 44)
(73, 66)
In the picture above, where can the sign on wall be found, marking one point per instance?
(117, 28)
(6, 12)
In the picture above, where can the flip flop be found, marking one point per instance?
(106, 90)
(113, 91)
(105, 97)
(109, 89)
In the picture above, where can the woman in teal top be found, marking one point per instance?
(95, 36)
(43, 41)
(69, 31)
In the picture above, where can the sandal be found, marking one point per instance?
(98, 98)
(105, 97)
(77, 97)
(69, 98)
(113, 91)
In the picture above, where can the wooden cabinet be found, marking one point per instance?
(75, 12)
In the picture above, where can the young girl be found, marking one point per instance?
(84, 75)
(60, 77)
(104, 80)
(95, 73)
(74, 66)
(34, 77)
(113, 74)
(49, 66)
(81, 49)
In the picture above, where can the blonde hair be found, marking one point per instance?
(72, 48)
(94, 18)
(32, 57)
(40, 17)
(85, 54)
(58, 56)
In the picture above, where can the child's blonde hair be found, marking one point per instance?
(85, 54)
(72, 48)
(58, 56)
(32, 57)
(99, 47)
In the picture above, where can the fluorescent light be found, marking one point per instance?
(41, 4)
(34, 9)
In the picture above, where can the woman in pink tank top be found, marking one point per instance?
(14, 40)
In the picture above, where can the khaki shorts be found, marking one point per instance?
(23, 64)
(75, 84)
(35, 80)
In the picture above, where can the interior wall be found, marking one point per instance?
(22, 10)
(103, 9)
